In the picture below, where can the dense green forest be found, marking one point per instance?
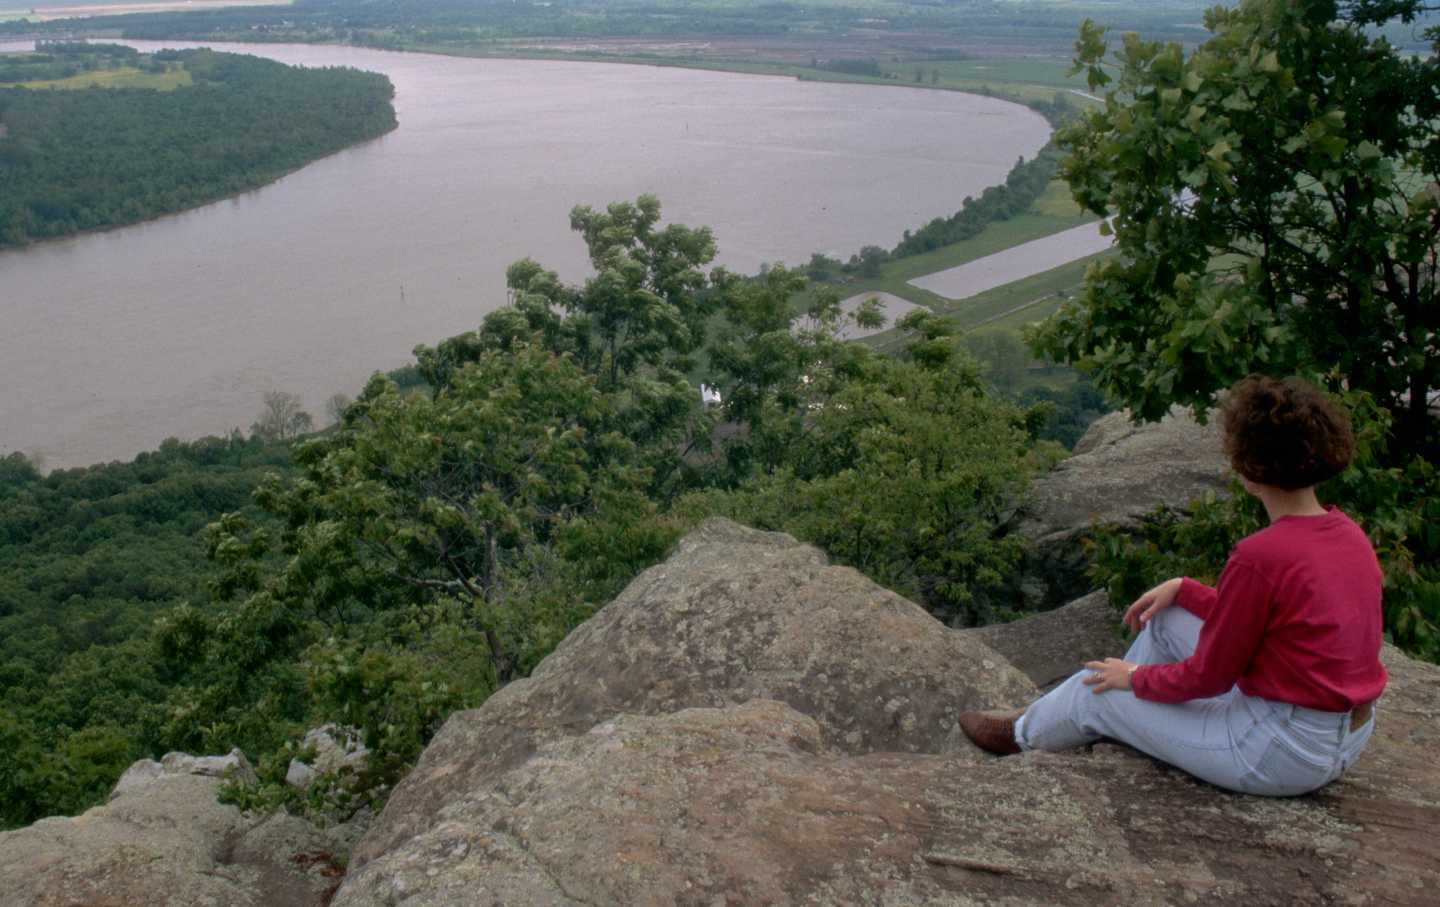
(88, 559)
(87, 158)
(448, 533)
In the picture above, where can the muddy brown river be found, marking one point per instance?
(114, 341)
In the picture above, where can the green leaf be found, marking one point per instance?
(1333, 145)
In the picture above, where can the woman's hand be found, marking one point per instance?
(1152, 603)
(1110, 674)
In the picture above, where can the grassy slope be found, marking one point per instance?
(1053, 212)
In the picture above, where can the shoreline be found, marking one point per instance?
(755, 69)
(87, 11)
(540, 54)
(110, 228)
(261, 47)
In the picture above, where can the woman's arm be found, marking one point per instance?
(1228, 641)
(1152, 603)
(1195, 597)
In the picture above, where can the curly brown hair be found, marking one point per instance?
(1285, 433)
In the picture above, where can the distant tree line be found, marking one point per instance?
(1025, 183)
(89, 158)
(1037, 25)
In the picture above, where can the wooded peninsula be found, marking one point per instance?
(100, 135)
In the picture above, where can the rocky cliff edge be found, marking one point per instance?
(748, 725)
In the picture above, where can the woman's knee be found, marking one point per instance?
(1175, 619)
(1176, 631)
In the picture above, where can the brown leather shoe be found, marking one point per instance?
(993, 732)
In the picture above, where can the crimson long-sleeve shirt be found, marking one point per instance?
(1295, 618)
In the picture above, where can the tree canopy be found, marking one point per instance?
(468, 511)
(88, 559)
(555, 452)
(1275, 205)
(281, 418)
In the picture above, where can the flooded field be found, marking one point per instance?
(893, 309)
(1015, 263)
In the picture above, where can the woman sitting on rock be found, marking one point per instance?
(1266, 683)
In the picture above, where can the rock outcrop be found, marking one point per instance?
(145, 771)
(734, 615)
(1048, 646)
(746, 725)
(1118, 473)
(333, 750)
(163, 840)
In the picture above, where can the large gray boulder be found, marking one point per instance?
(163, 840)
(734, 615)
(1118, 474)
(746, 725)
(143, 772)
(1049, 647)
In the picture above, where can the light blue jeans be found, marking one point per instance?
(1242, 743)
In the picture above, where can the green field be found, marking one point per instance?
(1035, 70)
(123, 77)
(1029, 78)
(1009, 307)
(1005, 308)
(1025, 301)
